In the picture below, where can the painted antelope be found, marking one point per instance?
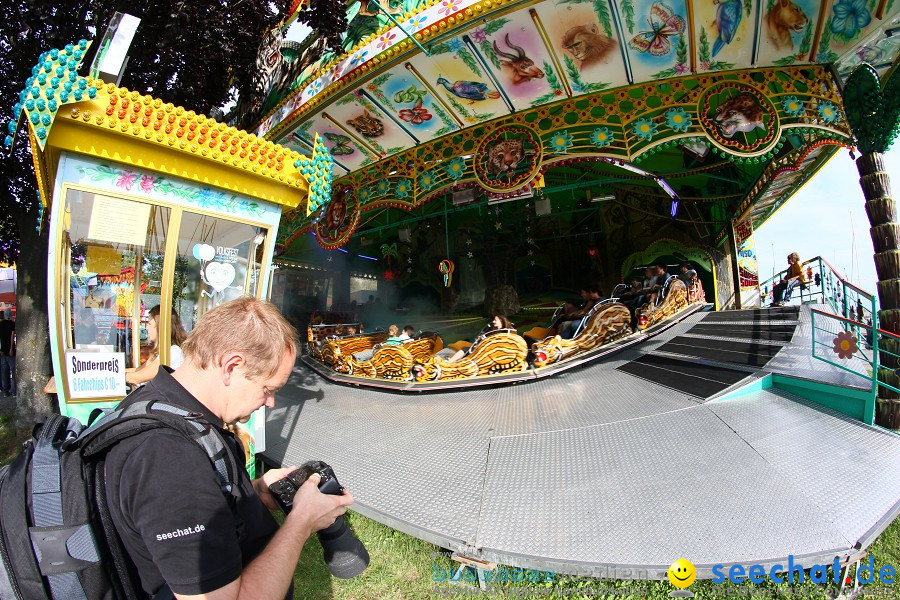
(519, 67)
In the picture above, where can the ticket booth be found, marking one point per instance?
(150, 206)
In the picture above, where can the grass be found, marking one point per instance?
(403, 567)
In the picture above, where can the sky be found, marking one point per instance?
(826, 218)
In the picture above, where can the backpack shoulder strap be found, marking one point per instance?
(143, 415)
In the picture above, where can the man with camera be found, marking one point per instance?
(184, 537)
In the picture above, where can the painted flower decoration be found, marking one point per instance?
(386, 40)
(415, 115)
(209, 198)
(644, 128)
(678, 119)
(403, 188)
(845, 344)
(456, 167)
(682, 69)
(479, 36)
(561, 141)
(148, 182)
(417, 21)
(850, 16)
(382, 186)
(316, 87)
(455, 45)
(792, 105)
(448, 7)
(602, 137)
(364, 195)
(828, 111)
(358, 58)
(126, 180)
(426, 180)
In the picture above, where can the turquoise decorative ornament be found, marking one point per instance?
(36, 91)
(92, 92)
(11, 126)
(17, 108)
(82, 43)
(64, 96)
(42, 79)
(8, 141)
(35, 118)
(41, 105)
(49, 92)
(73, 76)
(54, 53)
(41, 132)
(54, 83)
(60, 71)
(69, 48)
(77, 95)
(67, 86)
(52, 106)
(29, 105)
(46, 120)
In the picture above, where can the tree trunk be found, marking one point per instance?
(885, 232)
(33, 367)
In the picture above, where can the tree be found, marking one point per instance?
(191, 53)
(874, 117)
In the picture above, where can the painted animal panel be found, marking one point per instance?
(469, 90)
(587, 45)
(367, 125)
(782, 20)
(741, 113)
(516, 65)
(728, 18)
(505, 156)
(664, 24)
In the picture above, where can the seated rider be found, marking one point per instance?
(795, 276)
(394, 338)
(660, 279)
(408, 332)
(498, 322)
(567, 328)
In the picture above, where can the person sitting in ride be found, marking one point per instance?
(394, 338)
(692, 282)
(568, 327)
(498, 322)
(350, 330)
(794, 277)
(408, 332)
(633, 295)
(661, 276)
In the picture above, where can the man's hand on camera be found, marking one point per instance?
(261, 485)
(318, 510)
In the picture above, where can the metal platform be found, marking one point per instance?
(597, 472)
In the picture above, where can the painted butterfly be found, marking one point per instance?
(663, 25)
(341, 143)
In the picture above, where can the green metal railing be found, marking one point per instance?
(848, 336)
(826, 286)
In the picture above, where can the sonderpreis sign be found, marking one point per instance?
(96, 374)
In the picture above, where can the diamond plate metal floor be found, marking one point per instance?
(596, 472)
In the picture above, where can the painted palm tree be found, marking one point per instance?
(874, 117)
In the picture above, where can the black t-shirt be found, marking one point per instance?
(167, 507)
(6, 334)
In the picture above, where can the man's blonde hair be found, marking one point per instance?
(795, 256)
(255, 328)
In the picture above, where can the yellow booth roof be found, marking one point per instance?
(69, 113)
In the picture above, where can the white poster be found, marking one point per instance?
(96, 374)
(119, 221)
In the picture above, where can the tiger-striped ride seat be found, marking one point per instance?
(391, 361)
(498, 351)
(334, 348)
(605, 323)
(674, 299)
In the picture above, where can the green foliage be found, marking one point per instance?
(492, 27)
(681, 50)
(704, 46)
(785, 61)
(381, 79)
(470, 61)
(602, 10)
(748, 7)
(488, 50)
(806, 42)
(460, 109)
(578, 84)
(873, 113)
(628, 11)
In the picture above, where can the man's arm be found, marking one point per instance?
(271, 573)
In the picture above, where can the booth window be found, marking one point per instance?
(218, 260)
(114, 251)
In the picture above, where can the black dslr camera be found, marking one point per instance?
(345, 556)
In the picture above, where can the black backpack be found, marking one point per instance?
(57, 539)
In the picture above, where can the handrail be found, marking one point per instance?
(845, 319)
(837, 274)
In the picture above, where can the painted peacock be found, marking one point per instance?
(469, 90)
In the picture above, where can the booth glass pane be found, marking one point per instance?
(114, 249)
(218, 260)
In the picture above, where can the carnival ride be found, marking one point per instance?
(497, 355)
